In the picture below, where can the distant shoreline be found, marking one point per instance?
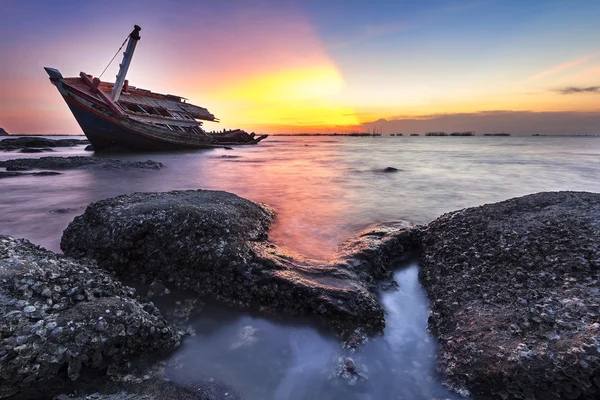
(425, 135)
(343, 134)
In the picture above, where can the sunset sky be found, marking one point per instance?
(319, 66)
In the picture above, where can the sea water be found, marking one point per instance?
(324, 190)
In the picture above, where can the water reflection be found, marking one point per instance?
(324, 189)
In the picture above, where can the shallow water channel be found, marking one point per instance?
(265, 359)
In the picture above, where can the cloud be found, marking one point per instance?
(562, 67)
(573, 89)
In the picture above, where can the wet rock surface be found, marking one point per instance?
(38, 142)
(13, 174)
(61, 316)
(215, 243)
(35, 149)
(389, 169)
(514, 294)
(61, 163)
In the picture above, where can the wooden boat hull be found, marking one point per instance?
(106, 129)
(104, 134)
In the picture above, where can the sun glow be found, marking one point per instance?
(299, 96)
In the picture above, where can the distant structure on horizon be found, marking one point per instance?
(436, 134)
(3, 132)
(462, 134)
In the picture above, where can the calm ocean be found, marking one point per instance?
(324, 189)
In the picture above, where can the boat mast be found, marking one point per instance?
(134, 36)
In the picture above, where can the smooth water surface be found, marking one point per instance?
(324, 189)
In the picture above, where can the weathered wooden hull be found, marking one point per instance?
(105, 134)
(106, 129)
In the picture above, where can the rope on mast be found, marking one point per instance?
(112, 59)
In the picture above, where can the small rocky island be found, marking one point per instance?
(3, 132)
(513, 287)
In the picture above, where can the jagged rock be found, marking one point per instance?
(215, 243)
(36, 141)
(3, 132)
(60, 313)
(25, 164)
(514, 295)
(389, 169)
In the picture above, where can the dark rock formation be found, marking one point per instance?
(215, 243)
(514, 292)
(12, 174)
(36, 141)
(59, 315)
(25, 164)
(371, 252)
(389, 169)
(89, 147)
(35, 149)
(3, 132)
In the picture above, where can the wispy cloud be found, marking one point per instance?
(574, 89)
(561, 67)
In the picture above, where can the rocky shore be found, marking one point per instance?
(215, 243)
(514, 295)
(75, 162)
(60, 315)
(513, 289)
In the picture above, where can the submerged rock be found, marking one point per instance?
(347, 370)
(25, 164)
(60, 315)
(215, 243)
(514, 291)
(245, 337)
(36, 141)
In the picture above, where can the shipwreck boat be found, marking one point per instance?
(123, 116)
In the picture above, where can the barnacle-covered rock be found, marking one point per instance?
(59, 312)
(514, 291)
(215, 243)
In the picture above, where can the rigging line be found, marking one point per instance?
(112, 59)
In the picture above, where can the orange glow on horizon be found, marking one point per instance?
(300, 97)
